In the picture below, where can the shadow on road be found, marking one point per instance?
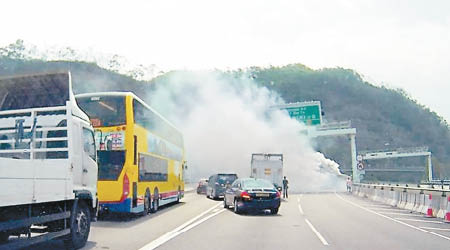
(265, 213)
(119, 220)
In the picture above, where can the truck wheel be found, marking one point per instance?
(80, 227)
(4, 237)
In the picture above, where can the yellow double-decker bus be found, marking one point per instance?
(140, 153)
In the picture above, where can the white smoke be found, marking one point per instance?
(224, 120)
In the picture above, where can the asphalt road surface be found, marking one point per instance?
(305, 221)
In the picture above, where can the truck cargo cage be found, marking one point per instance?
(36, 133)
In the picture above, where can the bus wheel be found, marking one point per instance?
(147, 202)
(155, 203)
(80, 225)
(179, 194)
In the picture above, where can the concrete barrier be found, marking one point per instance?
(396, 199)
(432, 201)
(421, 203)
(403, 199)
(391, 197)
(442, 209)
(411, 200)
(447, 212)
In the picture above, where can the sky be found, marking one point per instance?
(400, 44)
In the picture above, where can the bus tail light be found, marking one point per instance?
(126, 187)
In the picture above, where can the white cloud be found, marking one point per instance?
(401, 43)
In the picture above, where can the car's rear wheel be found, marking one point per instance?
(274, 210)
(225, 203)
(236, 207)
(214, 196)
(4, 237)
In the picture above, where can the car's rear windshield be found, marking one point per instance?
(223, 179)
(257, 183)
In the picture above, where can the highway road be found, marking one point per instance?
(305, 221)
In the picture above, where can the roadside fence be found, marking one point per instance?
(429, 200)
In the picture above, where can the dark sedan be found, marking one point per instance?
(251, 194)
(201, 187)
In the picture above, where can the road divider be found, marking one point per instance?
(429, 201)
(447, 212)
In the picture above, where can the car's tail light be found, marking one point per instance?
(278, 194)
(245, 195)
(126, 187)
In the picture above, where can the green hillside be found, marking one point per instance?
(384, 118)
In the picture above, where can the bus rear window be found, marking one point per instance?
(110, 164)
(104, 111)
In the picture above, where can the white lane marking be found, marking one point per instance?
(389, 218)
(437, 229)
(440, 235)
(379, 206)
(384, 216)
(426, 221)
(385, 209)
(201, 221)
(300, 206)
(170, 235)
(403, 214)
(300, 209)
(321, 238)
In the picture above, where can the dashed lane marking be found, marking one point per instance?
(300, 209)
(392, 219)
(403, 214)
(300, 206)
(386, 209)
(437, 229)
(321, 238)
(426, 221)
(182, 228)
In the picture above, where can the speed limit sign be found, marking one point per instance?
(359, 158)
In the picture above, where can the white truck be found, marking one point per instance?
(48, 167)
(268, 167)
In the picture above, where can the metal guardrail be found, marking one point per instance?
(421, 187)
(398, 150)
(335, 125)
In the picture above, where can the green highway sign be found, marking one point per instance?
(309, 113)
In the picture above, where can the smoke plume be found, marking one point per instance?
(225, 119)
